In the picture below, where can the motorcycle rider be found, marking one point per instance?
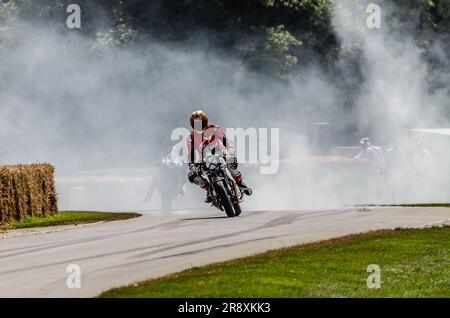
(208, 136)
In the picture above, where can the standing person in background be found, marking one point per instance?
(377, 167)
(422, 155)
(168, 182)
(424, 172)
(398, 171)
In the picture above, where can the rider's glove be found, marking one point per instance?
(195, 167)
(229, 156)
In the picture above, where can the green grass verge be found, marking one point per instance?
(70, 217)
(425, 205)
(412, 205)
(414, 263)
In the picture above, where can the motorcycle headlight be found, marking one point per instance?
(211, 161)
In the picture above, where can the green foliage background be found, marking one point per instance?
(277, 36)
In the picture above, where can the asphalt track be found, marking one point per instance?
(33, 263)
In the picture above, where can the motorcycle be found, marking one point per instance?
(225, 193)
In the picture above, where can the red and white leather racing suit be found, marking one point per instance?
(212, 137)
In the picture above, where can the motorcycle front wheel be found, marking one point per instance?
(224, 199)
(237, 209)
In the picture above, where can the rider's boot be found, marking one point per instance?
(209, 198)
(247, 190)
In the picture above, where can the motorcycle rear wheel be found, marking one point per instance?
(224, 199)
